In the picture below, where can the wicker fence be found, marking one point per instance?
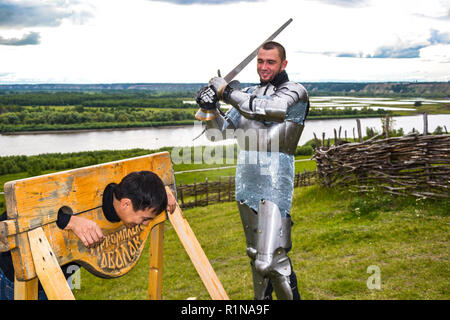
(416, 164)
(201, 194)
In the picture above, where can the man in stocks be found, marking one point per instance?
(272, 113)
(137, 199)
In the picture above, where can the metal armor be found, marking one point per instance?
(268, 238)
(275, 116)
(267, 121)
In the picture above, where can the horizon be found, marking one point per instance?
(203, 83)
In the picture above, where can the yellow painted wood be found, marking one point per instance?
(197, 255)
(26, 290)
(34, 202)
(47, 268)
(38, 247)
(156, 262)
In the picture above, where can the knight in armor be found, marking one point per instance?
(267, 121)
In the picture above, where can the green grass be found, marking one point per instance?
(336, 237)
(213, 175)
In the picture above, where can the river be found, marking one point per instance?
(154, 138)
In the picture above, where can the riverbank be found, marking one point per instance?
(91, 127)
(154, 138)
(14, 130)
(58, 131)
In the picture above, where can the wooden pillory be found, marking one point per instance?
(38, 247)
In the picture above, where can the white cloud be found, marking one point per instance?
(159, 41)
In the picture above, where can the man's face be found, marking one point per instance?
(131, 217)
(269, 64)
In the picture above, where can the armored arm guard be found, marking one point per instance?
(216, 128)
(272, 107)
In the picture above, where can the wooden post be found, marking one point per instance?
(316, 140)
(180, 192)
(156, 262)
(335, 137)
(425, 124)
(425, 133)
(219, 190)
(323, 139)
(206, 186)
(358, 125)
(195, 193)
(229, 188)
(354, 137)
(26, 290)
(386, 126)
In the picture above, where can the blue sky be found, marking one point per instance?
(103, 41)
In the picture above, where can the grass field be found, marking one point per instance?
(336, 237)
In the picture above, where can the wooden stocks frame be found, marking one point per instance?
(38, 247)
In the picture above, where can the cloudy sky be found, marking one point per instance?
(104, 41)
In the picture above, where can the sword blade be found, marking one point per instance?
(233, 73)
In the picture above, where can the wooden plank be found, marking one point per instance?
(47, 267)
(156, 262)
(197, 255)
(26, 290)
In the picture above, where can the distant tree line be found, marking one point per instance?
(35, 165)
(93, 99)
(345, 111)
(72, 115)
(19, 118)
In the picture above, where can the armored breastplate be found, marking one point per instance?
(272, 136)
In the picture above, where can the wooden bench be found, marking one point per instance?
(38, 247)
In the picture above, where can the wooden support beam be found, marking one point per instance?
(156, 262)
(197, 255)
(47, 267)
(26, 290)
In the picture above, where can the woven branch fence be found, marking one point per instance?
(201, 194)
(416, 164)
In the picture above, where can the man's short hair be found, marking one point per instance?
(145, 190)
(269, 45)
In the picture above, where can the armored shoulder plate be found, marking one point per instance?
(296, 88)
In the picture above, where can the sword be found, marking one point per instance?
(201, 115)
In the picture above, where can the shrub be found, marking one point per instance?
(304, 151)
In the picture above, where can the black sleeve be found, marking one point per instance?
(63, 220)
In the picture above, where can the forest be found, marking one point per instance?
(49, 111)
(50, 107)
